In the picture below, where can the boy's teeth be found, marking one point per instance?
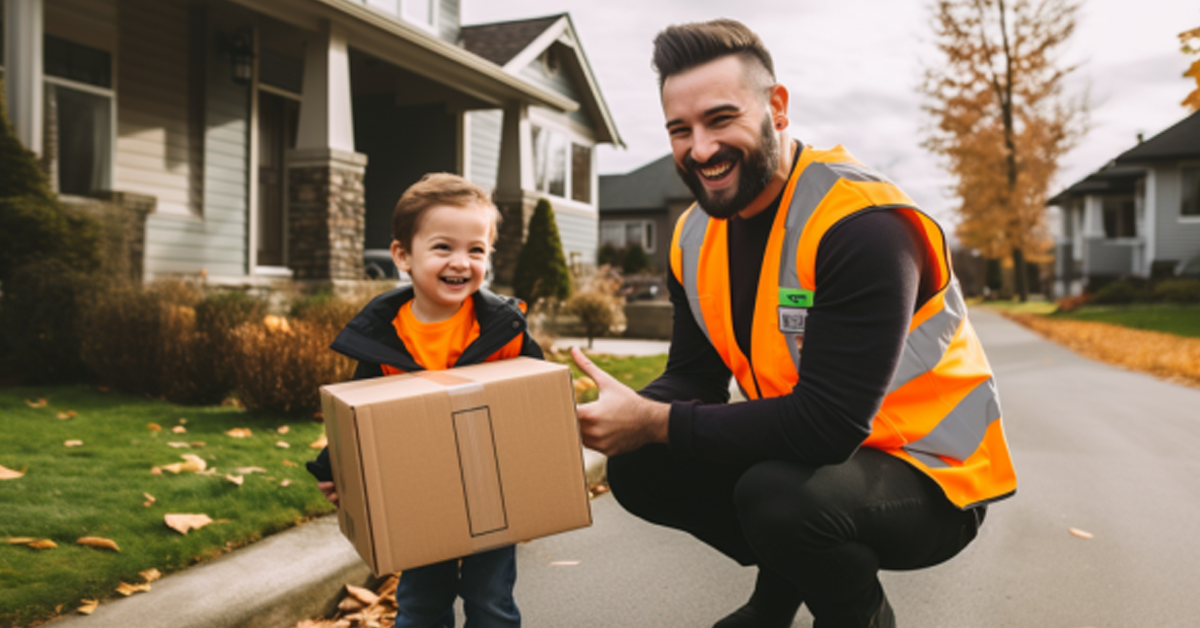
(455, 280)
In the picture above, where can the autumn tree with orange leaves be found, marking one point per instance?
(1000, 120)
(1189, 43)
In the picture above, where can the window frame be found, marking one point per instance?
(650, 233)
(104, 92)
(1183, 167)
(572, 139)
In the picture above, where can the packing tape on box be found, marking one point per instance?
(476, 440)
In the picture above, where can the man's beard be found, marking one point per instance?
(757, 168)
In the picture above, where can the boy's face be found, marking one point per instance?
(448, 260)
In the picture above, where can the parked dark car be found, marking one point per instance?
(378, 265)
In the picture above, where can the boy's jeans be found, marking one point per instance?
(425, 595)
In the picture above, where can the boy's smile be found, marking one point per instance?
(448, 260)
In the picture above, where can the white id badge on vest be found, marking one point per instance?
(791, 319)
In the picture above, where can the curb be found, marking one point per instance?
(278, 582)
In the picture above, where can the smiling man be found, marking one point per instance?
(871, 438)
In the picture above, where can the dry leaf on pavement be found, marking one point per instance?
(150, 575)
(239, 432)
(282, 445)
(366, 596)
(127, 589)
(9, 474)
(320, 443)
(181, 523)
(1083, 534)
(40, 403)
(149, 499)
(564, 563)
(73, 443)
(95, 541)
(88, 606)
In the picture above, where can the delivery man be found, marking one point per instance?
(871, 437)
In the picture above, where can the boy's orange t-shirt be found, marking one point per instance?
(437, 346)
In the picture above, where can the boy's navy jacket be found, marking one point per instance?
(371, 338)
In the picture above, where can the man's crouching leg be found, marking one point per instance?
(830, 529)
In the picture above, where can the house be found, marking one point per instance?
(641, 207)
(263, 140)
(1137, 216)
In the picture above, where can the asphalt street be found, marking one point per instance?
(1097, 448)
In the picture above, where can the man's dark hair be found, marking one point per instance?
(682, 47)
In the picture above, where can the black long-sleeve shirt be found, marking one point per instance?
(871, 279)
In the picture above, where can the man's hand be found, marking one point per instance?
(330, 492)
(620, 420)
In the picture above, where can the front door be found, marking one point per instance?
(277, 120)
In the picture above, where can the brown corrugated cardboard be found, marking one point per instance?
(440, 464)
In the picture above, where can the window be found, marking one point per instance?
(1120, 217)
(552, 172)
(624, 233)
(419, 11)
(79, 103)
(1190, 194)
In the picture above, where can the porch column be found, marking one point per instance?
(23, 70)
(326, 205)
(513, 177)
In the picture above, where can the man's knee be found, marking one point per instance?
(777, 503)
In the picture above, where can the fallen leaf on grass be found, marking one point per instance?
(178, 445)
(43, 544)
(182, 420)
(193, 463)
(198, 443)
(283, 429)
(150, 575)
(235, 479)
(149, 499)
(40, 403)
(1083, 534)
(69, 414)
(239, 432)
(9, 474)
(285, 483)
(88, 607)
(127, 589)
(20, 540)
(320, 443)
(155, 470)
(179, 429)
(282, 445)
(181, 523)
(231, 402)
(289, 463)
(241, 470)
(154, 427)
(95, 541)
(73, 443)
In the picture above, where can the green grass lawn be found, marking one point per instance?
(1181, 320)
(99, 489)
(634, 372)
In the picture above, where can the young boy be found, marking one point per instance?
(443, 230)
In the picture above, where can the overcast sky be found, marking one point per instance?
(852, 67)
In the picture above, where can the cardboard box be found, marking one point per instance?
(440, 464)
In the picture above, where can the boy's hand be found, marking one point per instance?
(620, 420)
(330, 492)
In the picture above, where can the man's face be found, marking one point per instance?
(722, 135)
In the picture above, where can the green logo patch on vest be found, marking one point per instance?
(795, 297)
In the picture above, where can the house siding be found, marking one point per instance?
(579, 232)
(559, 82)
(484, 152)
(1178, 238)
(448, 18)
(210, 232)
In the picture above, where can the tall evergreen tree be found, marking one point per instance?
(541, 270)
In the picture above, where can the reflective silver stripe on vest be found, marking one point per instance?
(959, 434)
(857, 172)
(691, 241)
(927, 343)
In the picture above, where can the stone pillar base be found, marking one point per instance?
(326, 214)
(515, 214)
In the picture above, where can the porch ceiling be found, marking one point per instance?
(414, 50)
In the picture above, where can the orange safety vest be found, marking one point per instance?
(941, 413)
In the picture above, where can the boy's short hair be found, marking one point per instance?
(681, 47)
(437, 188)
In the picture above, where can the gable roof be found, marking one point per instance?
(501, 41)
(1180, 141)
(1111, 179)
(650, 187)
(514, 45)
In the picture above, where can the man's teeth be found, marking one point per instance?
(455, 280)
(716, 171)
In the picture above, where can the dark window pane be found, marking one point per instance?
(1191, 192)
(84, 141)
(77, 62)
(581, 173)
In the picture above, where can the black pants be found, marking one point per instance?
(827, 529)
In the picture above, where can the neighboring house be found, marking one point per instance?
(1137, 216)
(270, 139)
(641, 207)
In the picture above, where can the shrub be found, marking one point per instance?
(1115, 293)
(608, 255)
(41, 306)
(541, 270)
(597, 305)
(636, 260)
(281, 364)
(1178, 291)
(326, 309)
(217, 316)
